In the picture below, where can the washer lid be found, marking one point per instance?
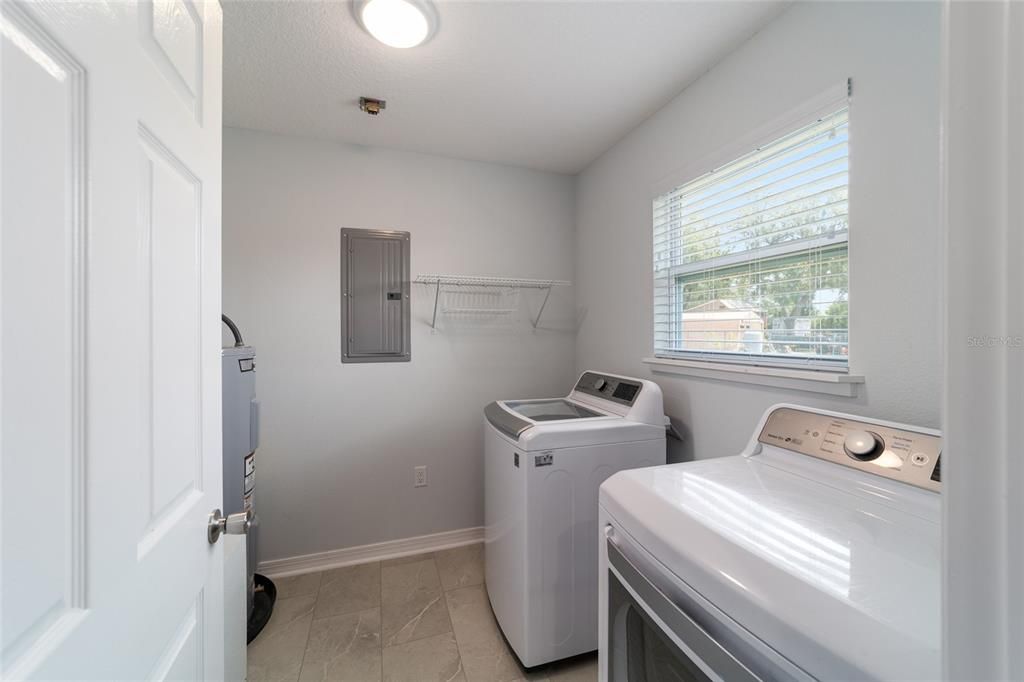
(843, 585)
(555, 409)
(551, 424)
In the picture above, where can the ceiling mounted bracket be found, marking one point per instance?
(372, 106)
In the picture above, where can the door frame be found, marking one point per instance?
(982, 152)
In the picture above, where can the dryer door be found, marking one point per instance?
(651, 639)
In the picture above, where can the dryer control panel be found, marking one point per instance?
(897, 453)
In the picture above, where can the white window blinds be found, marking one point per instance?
(750, 259)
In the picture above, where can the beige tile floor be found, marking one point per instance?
(424, 617)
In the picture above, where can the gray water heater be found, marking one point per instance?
(241, 438)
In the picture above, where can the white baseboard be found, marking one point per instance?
(392, 549)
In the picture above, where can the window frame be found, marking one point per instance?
(807, 113)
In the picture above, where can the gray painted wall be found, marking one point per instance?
(892, 53)
(339, 442)
(335, 467)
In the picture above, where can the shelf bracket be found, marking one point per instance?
(540, 312)
(437, 296)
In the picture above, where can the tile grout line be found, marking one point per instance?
(305, 647)
(380, 606)
(444, 598)
(447, 611)
(455, 636)
(451, 623)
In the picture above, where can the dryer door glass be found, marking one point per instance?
(551, 410)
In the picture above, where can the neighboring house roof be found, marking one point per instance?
(721, 315)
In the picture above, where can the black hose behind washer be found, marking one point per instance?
(234, 330)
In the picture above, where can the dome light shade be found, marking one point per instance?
(397, 23)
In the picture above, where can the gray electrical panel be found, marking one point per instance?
(375, 296)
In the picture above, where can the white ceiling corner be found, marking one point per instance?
(546, 85)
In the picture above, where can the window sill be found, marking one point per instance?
(832, 383)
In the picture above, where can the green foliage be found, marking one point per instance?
(781, 287)
(836, 317)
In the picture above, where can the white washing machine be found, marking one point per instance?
(544, 463)
(814, 555)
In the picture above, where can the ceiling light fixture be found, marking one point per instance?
(398, 23)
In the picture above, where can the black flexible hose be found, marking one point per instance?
(234, 330)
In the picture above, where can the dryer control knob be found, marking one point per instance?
(863, 445)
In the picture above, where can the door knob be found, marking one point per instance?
(234, 524)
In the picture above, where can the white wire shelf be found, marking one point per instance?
(479, 311)
(476, 281)
(479, 281)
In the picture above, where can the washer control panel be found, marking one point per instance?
(611, 388)
(907, 456)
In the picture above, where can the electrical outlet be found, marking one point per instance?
(420, 479)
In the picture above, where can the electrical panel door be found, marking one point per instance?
(374, 296)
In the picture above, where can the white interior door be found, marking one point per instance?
(109, 340)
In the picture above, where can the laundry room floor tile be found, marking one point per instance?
(276, 655)
(422, 617)
(344, 648)
(461, 567)
(399, 582)
(485, 656)
(349, 589)
(433, 658)
(412, 603)
(297, 585)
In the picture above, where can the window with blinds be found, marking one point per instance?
(750, 259)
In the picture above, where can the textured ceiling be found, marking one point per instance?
(547, 85)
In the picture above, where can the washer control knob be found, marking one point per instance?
(863, 445)
(600, 384)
